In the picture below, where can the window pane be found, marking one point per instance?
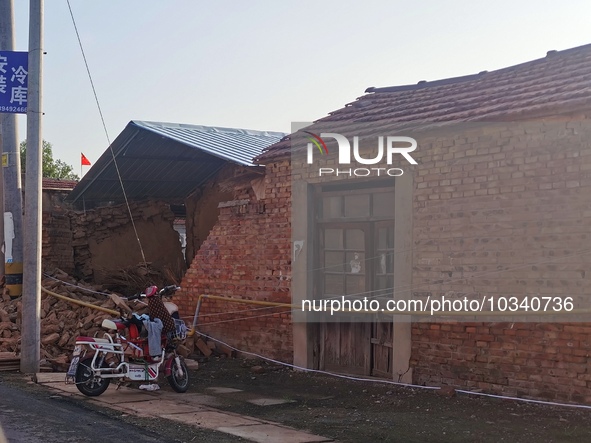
(385, 265)
(333, 285)
(382, 238)
(356, 285)
(355, 263)
(357, 206)
(391, 237)
(332, 207)
(333, 239)
(334, 262)
(381, 283)
(384, 285)
(386, 238)
(390, 283)
(355, 239)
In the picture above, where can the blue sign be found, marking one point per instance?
(13, 81)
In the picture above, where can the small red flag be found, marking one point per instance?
(84, 161)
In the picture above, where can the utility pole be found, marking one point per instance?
(13, 198)
(31, 330)
(2, 245)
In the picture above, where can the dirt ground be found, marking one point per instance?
(351, 411)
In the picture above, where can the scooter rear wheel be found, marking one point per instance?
(178, 382)
(87, 383)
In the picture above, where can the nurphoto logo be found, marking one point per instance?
(387, 146)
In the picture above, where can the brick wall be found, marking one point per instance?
(499, 210)
(504, 211)
(247, 255)
(91, 244)
(540, 360)
(202, 214)
(56, 232)
(103, 239)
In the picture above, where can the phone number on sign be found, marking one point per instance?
(13, 109)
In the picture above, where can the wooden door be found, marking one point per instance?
(381, 349)
(346, 347)
(356, 260)
(345, 343)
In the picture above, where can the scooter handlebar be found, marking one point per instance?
(167, 290)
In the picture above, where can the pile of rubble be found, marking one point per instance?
(61, 321)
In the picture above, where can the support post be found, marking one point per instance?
(2, 245)
(13, 198)
(30, 346)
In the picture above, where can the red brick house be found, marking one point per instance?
(496, 207)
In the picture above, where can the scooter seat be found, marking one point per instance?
(93, 340)
(113, 324)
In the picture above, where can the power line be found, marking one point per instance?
(107, 134)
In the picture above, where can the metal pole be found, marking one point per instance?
(13, 197)
(2, 245)
(197, 309)
(30, 349)
(6, 29)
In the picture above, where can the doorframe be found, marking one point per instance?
(403, 244)
(306, 336)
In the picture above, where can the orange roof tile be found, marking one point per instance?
(555, 84)
(57, 184)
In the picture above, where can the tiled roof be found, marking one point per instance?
(57, 184)
(555, 84)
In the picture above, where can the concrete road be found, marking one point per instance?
(30, 414)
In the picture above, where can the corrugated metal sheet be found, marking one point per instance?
(236, 145)
(166, 161)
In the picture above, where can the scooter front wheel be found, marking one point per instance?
(87, 382)
(179, 376)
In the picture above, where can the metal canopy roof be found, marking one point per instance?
(166, 161)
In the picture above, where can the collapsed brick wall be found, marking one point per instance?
(502, 212)
(104, 239)
(56, 232)
(247, 255)
(202, 211)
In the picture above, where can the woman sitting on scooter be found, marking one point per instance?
(156, 309)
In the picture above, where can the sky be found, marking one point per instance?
(265, 64)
